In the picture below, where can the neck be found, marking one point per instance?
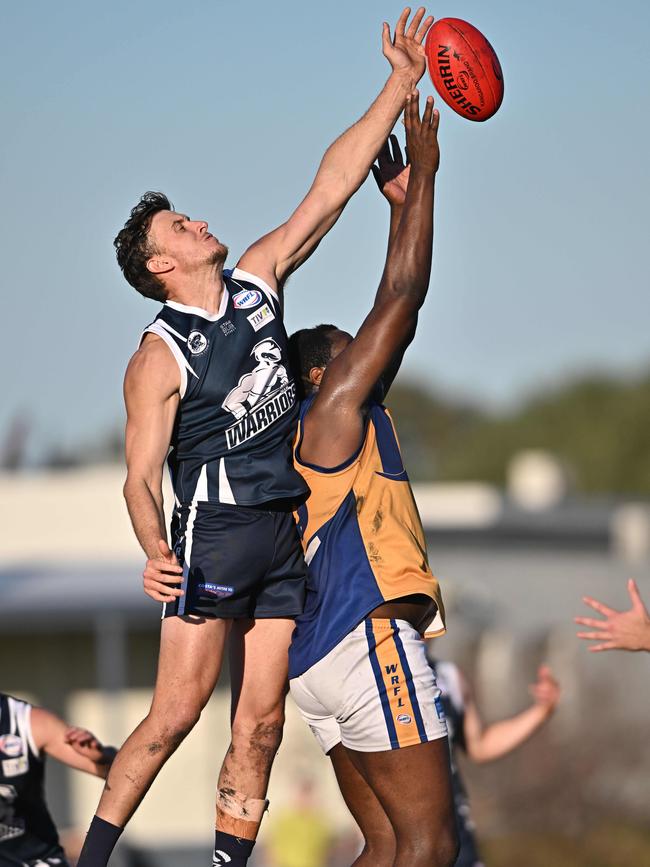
(202, 288)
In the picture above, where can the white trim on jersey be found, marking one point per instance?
(225, 491)
(160, 329)
(257, 281)
(199, 311)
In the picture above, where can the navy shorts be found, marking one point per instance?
(237, 562)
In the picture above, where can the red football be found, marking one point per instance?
(464, 68)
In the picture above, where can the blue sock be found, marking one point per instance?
(231, 851)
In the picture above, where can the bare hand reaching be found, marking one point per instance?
(391, 173)
(405, 51)
(422, 135)
(620, 630)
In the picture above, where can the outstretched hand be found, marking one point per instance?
(620, 630)
(391, 172)
(405, 51)
(422, 135)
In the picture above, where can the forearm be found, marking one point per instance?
(395, 219)
(347, 161)
(503, 737)
(145, 505)
(408, 266)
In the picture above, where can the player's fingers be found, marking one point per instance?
(406, 120)
(424, 29)
(162, 567)
(428, 111)
(386, 41)
(435, 123)
(414, 109)
(593, 636)
(598, 606)
(635, 596)
(397, 151)
(161, 587)
(415, 23)
(377, 176)
(607, 646)
(401, 21)
(158, 575)
(590, 621)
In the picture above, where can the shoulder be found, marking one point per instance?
(152, 366)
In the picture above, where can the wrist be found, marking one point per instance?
(404, 78)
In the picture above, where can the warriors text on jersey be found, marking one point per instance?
(27, 832)
(232, 437)
(363, 542)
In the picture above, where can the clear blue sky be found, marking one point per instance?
(542, 213)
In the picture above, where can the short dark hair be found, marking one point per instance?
(309, 347)
(134, 248)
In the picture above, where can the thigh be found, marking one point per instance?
(412, 784)
(190, 658)
(259, 665)
(362, 802)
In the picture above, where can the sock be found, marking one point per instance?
(100, 842)
(229, 851)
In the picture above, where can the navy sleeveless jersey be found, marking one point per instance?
(232, 439)
(27, 832)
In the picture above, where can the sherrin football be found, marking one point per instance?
(464, 68)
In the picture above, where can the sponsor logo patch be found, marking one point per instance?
(227, 327)
(247, 299)
(197, 342)
(11, 745)
(216, 589)
(404, 719)
(15, 767)
(261, 317)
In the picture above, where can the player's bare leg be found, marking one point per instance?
(191, 653)
(420, 810)
(380, 844)
(259, 665)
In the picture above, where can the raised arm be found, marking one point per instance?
(346, 162)
(620, 630)
(334, 424)
(487, 743)
(151, 393)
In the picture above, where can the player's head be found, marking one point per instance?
(311, 350)
(158, 245)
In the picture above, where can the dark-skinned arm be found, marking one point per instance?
(334, 425)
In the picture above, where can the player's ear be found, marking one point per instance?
(315, 375)
(159, 265)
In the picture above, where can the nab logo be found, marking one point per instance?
(247, 299)
(197, 342)
(404, 719)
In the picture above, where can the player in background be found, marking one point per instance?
(28, 734)
(211, 380)
(484, 743)
(620, 630)
(357, 664)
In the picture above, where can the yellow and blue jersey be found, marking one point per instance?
(363, 541)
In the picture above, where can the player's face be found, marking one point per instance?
(188, 243)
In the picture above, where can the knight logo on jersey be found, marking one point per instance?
(261, 396)
(246, 299)
(197, 342)
(11, 745)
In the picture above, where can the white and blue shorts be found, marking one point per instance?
(375, 691)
